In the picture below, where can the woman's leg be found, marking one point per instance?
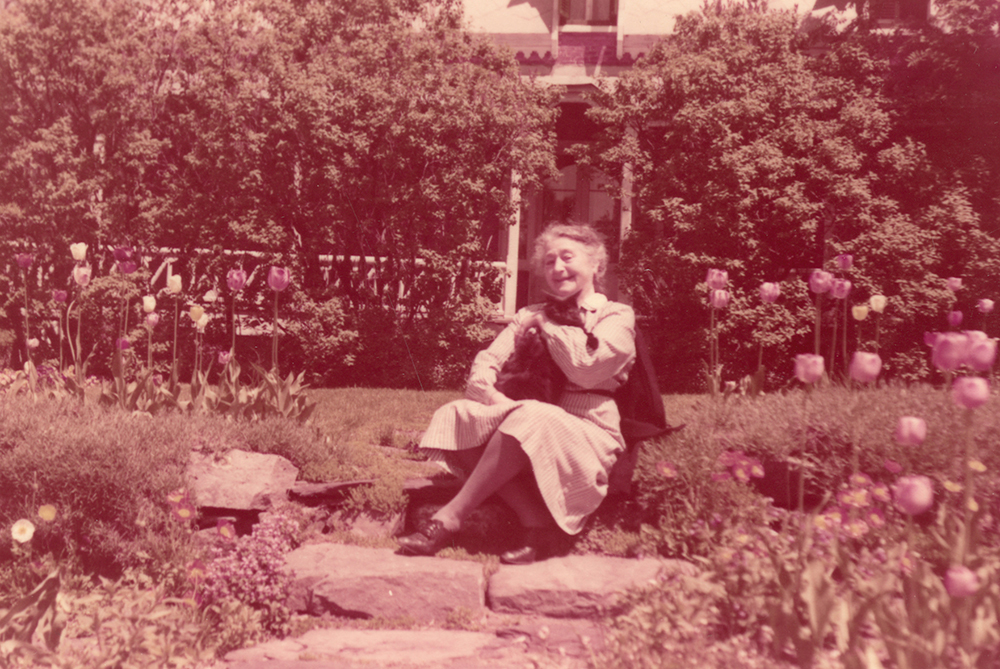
(521, 493)
(499, 464)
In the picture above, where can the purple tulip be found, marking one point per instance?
(123, 344)
(24, 260)
(127, 267)
(960, 581)
(865, 367)
(81, 274)
(224, 357)
(914, 494)
(950, 350)
(719, 298)
(769, 292)
(278, 278)
(152, 320)
(970, 392)
(808, 367)
(236, 279)
(717, 279)
(845, 261)
(954, 283)
(59, 295)
(123, 253)
(985, 306)
(982, 354)
(840, 289)
(820, 281)
(954, 318)
(911, 431)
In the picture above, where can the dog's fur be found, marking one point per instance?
(530, 373)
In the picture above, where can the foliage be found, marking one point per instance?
(750, 155)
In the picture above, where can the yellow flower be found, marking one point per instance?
(197, 311)
(47, 512)
(22, 531)
(977, 466)
(860, 312)
(973, 505)
(951, 486)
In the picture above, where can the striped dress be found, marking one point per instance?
(572, 445)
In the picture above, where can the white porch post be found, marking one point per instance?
(513, 241)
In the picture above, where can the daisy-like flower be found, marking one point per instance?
(854, 497)
(721, 476)
(177, 496)
(47, 512)
(880, 492)
(859, 480)
(226, 529)
(977, 466)
(667, 470)
(875, 517)
(184, 511)
(22, 531)
(856, 528)
(951, 486)
(196, 570)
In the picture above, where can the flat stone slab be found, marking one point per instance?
(238, 479)
(361, 582)
(575, 586)
(402, 649)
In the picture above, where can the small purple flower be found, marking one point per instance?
(954, 283)
(225, 357)
(960, 581)
(278, 278)
(717, 279)
(769, 292)
(719, 298)
(123, 344)
(59, 295)
(954, 318)
(840, 289)
(24, 260)
(820, 281)
(152, 320)
(236, 279)
(985, 306)
(845, 261)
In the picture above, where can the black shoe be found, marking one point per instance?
(428, 541)
(535, 548)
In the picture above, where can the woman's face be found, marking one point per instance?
(569, 268)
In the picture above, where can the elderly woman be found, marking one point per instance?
(549, 462)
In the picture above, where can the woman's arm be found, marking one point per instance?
(588, 367)
(487, 364)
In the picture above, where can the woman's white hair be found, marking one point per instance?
(591, 239)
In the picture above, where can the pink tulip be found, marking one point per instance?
(950, 350)
(982, 354)
(865, 367)
(840, 289)
(769, 292)
(954, 318)
(985, 306)
(717, 279)
(970, 392)
(81, 274)
(820, 281)
(236, 279)
(954, 283)
(224, 357)
(845, 261)
(930, 339)
(33, 343)
(719, 299)
(278, 278)
(59, 295)
(152, 320)
(911, 431)
(914, 494)
(123, 344)
(960, 581)
(24, 260)
(808, 367)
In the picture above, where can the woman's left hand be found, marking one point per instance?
(535, 320)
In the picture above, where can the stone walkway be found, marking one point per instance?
(457, 617)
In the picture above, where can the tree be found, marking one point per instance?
(750, 155)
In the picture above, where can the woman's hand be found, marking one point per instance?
(499, 398)
(535, 320)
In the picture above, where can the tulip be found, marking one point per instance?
(950, 350)
(81, 274)
(719, 299)
(982, 354)
(930, 338)
(24, 260)
(914, 494)
(59, 295)
(808, 367)
(860, 312)
(127, 267)
(865, 366)
(820, 281)
(717, 279)
(210, 296)
(152, 320)
(197, 311)
(845, 261)
(279, 278)
(202, 321)
(877, 303)
(911, 431)
(960, 581)
(236, 279)
(79, 251)
(224, 357)
(985, 306)
(769, 292)
(123, 253)
(954, 318)
(954, 283)
(970, 392)
(33, 343)
(149, 304)
(840, 289)
(174, 284)
(123, 344)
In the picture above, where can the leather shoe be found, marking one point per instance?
(532, 550)
(428, 541)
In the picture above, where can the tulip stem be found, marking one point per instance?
(274, 342)
(819, 321)
(173, 363)
(27, 335)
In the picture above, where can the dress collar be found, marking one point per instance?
(594, 301)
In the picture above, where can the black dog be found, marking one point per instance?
(530, 373)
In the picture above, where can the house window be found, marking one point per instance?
(588, 12)
(898, 11)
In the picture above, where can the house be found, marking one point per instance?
(573, 43)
